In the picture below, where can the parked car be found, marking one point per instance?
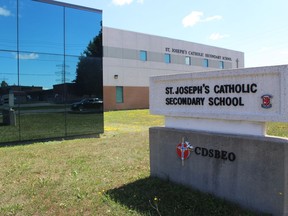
(88, 104)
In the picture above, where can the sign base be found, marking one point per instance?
(217, 125)
(251, 171)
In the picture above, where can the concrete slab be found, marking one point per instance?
(248, 170)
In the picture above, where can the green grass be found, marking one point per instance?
(99, 176)
(277, 129)
(51, 125)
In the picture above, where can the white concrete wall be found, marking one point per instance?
(121, 57)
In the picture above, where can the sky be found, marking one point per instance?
(256, 27)
(41, 42)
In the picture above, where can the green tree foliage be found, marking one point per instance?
(89, 69)
(94, 48)
(4, 84)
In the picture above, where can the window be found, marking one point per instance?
(188, 60)
(167, 58)
(143, 55)
(221, 64)
(205, 63)
(119, 94)
(45, 73)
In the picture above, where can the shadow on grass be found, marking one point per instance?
(146, 195)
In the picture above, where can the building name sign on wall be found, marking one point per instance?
(199, 54)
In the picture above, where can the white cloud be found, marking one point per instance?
(122, 2)
(208, 19)
(196, 17)
(218, 36)
(4, 12)
(29, 56)
(193, 18)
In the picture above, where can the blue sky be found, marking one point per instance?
(256, 27)
(41, 42)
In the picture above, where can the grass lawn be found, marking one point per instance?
(44, 125)
(100, 176)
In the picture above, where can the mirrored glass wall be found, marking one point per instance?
(50, 70)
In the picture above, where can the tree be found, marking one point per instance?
(89, 71)
(4, 84)
(95, 48)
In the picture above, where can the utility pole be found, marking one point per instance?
(62, 73)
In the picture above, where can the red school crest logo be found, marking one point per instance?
(266, 101)
(183, 150)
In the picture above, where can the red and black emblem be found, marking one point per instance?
(266, 101)
(183, 150)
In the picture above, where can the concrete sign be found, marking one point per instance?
(251, 171)
(214, 135)
(253, 94)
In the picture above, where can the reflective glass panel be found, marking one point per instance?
(41, 27)
(84, 96)
(84, 58)
(8, 25)
(51, 78)
(81, 27)
(9, 119)
(41, 96)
